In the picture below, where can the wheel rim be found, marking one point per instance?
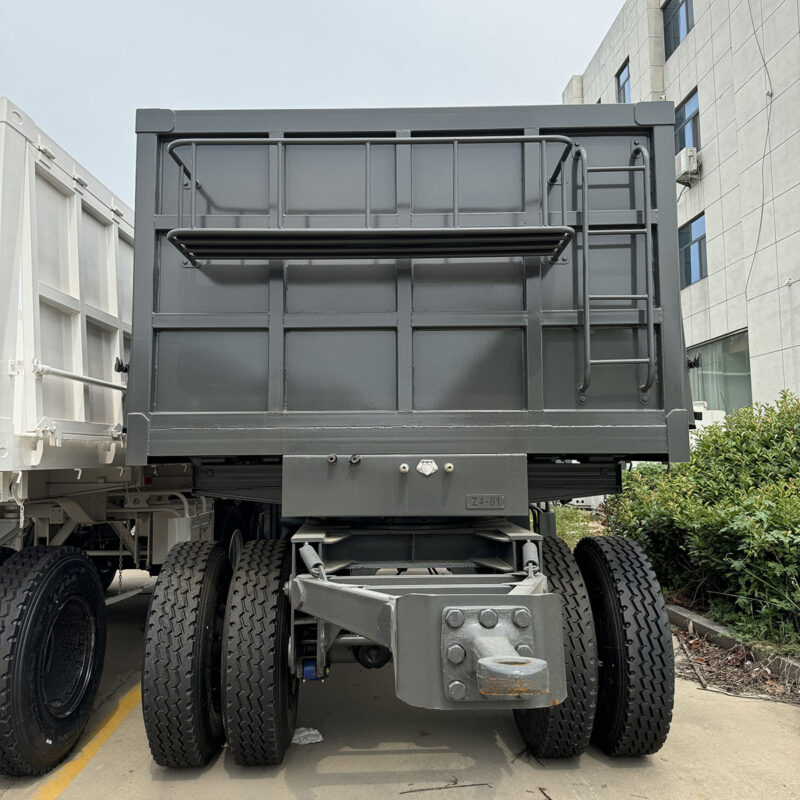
(67, 664)
(214, 667)
(235, 545)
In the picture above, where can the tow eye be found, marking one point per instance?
(488, 652)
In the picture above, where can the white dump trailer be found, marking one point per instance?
(71, 512)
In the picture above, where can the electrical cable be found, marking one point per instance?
(766, 147)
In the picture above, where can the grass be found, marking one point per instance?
(574, 524)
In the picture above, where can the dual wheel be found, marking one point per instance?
(216, 658)
(618, 653)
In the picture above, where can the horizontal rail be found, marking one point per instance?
(373, 140)
(46, 369)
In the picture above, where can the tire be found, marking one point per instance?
(261, 690)
(5, 554)
(52, 645)
(181, 686)
(636, 682)
(563, 731)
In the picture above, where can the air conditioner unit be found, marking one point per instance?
(687, 166)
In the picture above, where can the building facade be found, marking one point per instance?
(732, 69)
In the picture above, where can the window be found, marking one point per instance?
(624, 83)
(721, 373)
(692, 251)
(678, 21)
(687, 123)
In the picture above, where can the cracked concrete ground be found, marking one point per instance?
(375, 747)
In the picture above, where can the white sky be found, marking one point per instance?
(80, 68)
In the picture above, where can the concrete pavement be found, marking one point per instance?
(376, 747)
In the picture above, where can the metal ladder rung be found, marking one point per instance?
(612, 231)
(630, 168)
(606, 361)
(618, 297)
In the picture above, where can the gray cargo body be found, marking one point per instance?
(413, 282)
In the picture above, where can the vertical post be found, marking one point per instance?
(455, 183)
(280, 168)
(181, 177)
(193, 184)
(544, 182)
(648, 258)
(580, 153)
(367, 182)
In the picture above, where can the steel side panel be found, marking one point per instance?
(479, 485)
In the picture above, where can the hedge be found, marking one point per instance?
(725, 527)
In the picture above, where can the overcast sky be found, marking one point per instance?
(81, 68)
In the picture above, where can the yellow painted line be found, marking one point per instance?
(63, 777)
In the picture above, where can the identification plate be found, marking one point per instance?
(483, 501)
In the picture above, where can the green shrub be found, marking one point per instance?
(572, 524)
(725, 528)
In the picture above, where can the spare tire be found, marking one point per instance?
(52, 644)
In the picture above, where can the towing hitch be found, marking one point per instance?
(492, 640)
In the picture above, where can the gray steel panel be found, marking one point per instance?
(211, 370)
(341, 370)
(479, 485)
(469, 369)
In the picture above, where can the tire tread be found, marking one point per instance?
(633, 719)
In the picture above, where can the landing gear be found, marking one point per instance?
(636, 678)
(563, 731)
(181, 686)
(260, 687)
(52, 644)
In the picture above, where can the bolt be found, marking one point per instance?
(448, 467)
(524, 650)
(521, 617)
(332, 459)
(404, 468)
(454, 618)
(456, 654)
(488, 618)
(355, 459)
(456, 690)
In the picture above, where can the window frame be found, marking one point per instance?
(670, 14)
(687, 247)
(624, 87)
(692, 122)
(695, 354)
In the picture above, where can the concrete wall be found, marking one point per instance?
(750, 185)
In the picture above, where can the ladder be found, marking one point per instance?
(639, 152)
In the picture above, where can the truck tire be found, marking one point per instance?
(563, 731)
(260, 695)
(181, 685)
(636, 681)
(52, 645)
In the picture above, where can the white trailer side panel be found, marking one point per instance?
(66, 265)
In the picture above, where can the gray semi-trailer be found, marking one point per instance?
(384, 336)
